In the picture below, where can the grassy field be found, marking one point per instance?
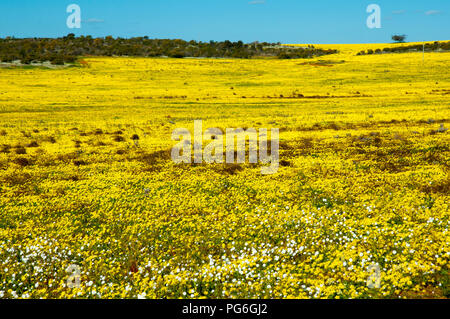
(86, 178)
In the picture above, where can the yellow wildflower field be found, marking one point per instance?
(359, 207)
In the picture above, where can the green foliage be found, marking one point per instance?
(429, 47)
(68, 48)
(399, 38)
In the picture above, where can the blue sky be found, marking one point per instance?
(286, 21)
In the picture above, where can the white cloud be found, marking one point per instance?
(94, 20)
(399, 12)
(257, 2)
(432, 12)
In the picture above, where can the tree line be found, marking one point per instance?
(429, 47)
(68, 48)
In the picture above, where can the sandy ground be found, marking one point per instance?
(45, 64)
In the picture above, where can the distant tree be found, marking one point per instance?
(26, 60)
(69, 59)
(176, 53)
(57, 60)
(283, 55)
(399, 38)
(227, 44)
